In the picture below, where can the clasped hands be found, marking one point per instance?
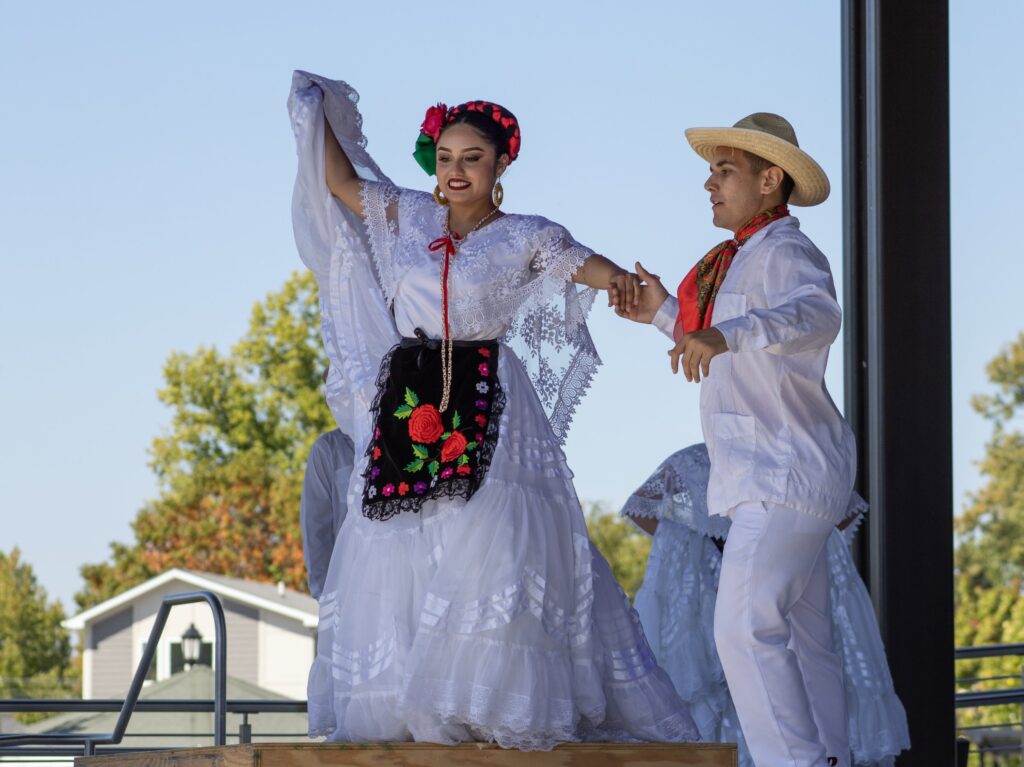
(639, 296)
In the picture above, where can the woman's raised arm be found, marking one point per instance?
(342, 179)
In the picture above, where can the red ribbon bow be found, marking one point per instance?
(447, 243)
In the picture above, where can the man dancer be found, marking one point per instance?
(755, 319)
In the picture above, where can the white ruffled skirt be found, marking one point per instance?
(493, 619)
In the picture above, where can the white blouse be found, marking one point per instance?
(496, 270)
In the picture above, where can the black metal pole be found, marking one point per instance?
(898, 335)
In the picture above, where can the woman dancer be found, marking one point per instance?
(676, 604)
(463, 600)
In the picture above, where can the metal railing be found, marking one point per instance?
(997, 739)
(59, 744)
(246, 708)
(89, 741)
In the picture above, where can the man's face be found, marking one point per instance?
(737, 192)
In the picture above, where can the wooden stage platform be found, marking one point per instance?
(427, 755)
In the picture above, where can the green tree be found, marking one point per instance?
(990, 549)
(625, 547)
(988, 615)
(230, 465)
(989, 555)
(35, 650)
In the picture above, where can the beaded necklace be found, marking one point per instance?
(449, 242)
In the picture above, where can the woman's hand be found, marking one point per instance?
(623, 292)
(604, 274)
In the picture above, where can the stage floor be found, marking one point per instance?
(426, 755)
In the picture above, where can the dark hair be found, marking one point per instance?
(492, 131)
(758, 164)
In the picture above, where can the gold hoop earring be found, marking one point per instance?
(498, 193)
(439, 198)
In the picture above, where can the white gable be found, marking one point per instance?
(285, 602)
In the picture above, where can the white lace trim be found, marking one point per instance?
(376, 199)
(677, 491)
(858, 509)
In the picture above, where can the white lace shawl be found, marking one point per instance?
(678, 491)
(357, 327)
(358, 266)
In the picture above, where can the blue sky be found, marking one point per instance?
(146, 165)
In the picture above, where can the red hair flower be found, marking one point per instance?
(513, 146)
(433, 121)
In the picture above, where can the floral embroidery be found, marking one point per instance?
(427, 428)
(454, 446)
(419, 452)
(424, 422)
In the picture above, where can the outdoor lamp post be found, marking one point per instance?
(191, 642)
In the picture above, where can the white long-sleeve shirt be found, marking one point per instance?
(772, 430)
(324, 503)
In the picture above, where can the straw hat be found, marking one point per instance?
(773, 138)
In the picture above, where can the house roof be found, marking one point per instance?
(167, 729)
(265, 596)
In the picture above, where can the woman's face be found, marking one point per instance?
(467, 165)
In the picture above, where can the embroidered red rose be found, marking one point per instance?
(464, 470)
(403, 488)
(481, 420)
(425, 425)
(433, 121)
(453, 447)
(484, 352)
(376, 453)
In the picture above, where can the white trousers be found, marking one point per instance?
(774, 637)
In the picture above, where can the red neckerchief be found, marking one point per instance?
(698, 289)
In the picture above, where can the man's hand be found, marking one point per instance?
(650, 296)
(697, 350)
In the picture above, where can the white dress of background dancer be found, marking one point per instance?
(324, 503)
(676, 604)
(492, 619)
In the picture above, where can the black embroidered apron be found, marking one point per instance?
(418, 453)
